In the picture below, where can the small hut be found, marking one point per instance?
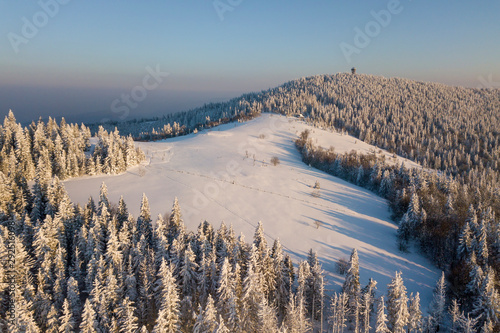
(353, 70)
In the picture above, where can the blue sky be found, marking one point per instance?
(91, 52)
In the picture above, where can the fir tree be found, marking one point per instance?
(267, 317)
(454, 312)
(208, 320)
(253, 292)
(222, 327)
(339, 312)
(438, 303)
(487, 303)
(367, 304)
(295, 319)
(352, 289)
(144, 221)
(397, 304)
(168, 317)
(127, 321)
(226, 296)
(89, 323)
(66, 320)
(52, 321)
(415, 319)
(188, 272)
(381, 324)
(467, 324)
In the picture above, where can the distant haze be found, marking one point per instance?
(94, 105)
(74, 58)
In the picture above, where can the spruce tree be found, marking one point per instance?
(352, 289)
(454, 312)
(367, 304)
(415, 320)
(381, 324)
(437, 306)
(144, 221)
(127, 320)
(67, 322)
(168, 316)
(397, 304)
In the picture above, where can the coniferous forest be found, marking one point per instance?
(96, 268)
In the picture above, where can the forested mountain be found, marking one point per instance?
(98, 269)
(452, 215)
(442, 127)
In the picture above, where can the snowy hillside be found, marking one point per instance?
(226, 174)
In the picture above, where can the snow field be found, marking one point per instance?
(225, 174)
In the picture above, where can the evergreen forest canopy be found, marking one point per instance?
(97, 268)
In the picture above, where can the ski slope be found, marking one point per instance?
(225, 174)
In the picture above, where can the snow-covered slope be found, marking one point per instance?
(225, 174)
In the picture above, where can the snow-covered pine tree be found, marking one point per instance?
(304, 272)
(24, 320)
(127, 320)
(468, 324)
(67, 322)
(482, 244)
(253, 292)
(368, 297)
(188, 272)
(281, 292)
(168, 316)
(144, 222)
(437, 306)
(52, 321)
(264, 262)
(226, 296)
(295, 319)
(267, 317)
(415, 320)
(103, 198)
(222, 327)
(487, 303)
(339, 312)
(352, 289)
(476, 277)
(454, 312)
(465, 242)
(146, 304)
(381, 323)
(207, 319)
(175, 223)
(73, 296)
(397, 304)
(404, 232)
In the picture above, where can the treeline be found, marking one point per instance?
(182, 123)
(61, 150)
(454, 226)
(98, 269)
(452, 129)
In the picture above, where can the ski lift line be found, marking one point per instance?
(229, 210)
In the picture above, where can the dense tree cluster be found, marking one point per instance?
(63, 150)
(452, 224)
(98, 269)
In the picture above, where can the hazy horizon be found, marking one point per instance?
(81, 59)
